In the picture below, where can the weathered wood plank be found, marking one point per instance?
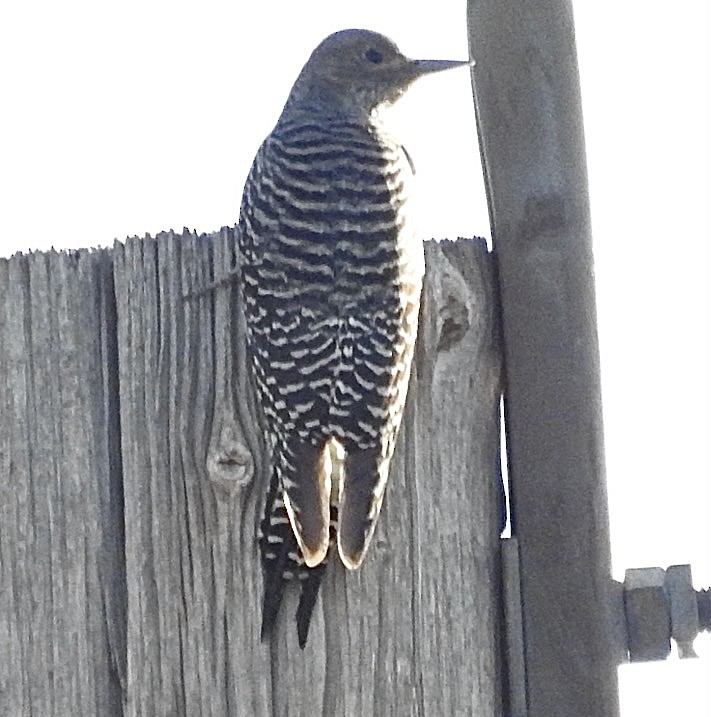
(173, 606)
(413, 632)
(62, 584)
(193, 573)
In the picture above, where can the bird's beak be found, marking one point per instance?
(425, 67)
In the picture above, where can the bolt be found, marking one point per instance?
(660, 605)
(703, 602)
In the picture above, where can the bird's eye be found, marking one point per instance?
(373, 55)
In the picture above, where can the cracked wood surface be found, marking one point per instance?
(132, 479)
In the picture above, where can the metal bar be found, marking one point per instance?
(515, 663)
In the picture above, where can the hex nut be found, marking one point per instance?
(648, 615)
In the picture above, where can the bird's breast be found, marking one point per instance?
(331, 206)
(326, 234)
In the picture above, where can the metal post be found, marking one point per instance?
(531, 135)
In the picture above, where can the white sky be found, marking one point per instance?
(125, 118)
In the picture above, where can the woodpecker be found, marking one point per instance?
(331, 272)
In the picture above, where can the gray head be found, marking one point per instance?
(354, 71)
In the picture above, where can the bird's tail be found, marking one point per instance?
(304, 471)
(361, 497)
(282, 562)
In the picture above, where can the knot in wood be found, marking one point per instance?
(229, 461)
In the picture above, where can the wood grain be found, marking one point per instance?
(62, 580)
(133, 477)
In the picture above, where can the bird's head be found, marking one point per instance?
(352, 72)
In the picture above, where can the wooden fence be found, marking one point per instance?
(132, 478)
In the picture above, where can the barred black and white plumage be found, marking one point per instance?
(331, 274)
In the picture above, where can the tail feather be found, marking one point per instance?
(305, 472)
(362, 491)
(274, 543)
(281, 571)
(273, 593)
(282, 562)
(310, 583)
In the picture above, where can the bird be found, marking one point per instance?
(331, 271)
